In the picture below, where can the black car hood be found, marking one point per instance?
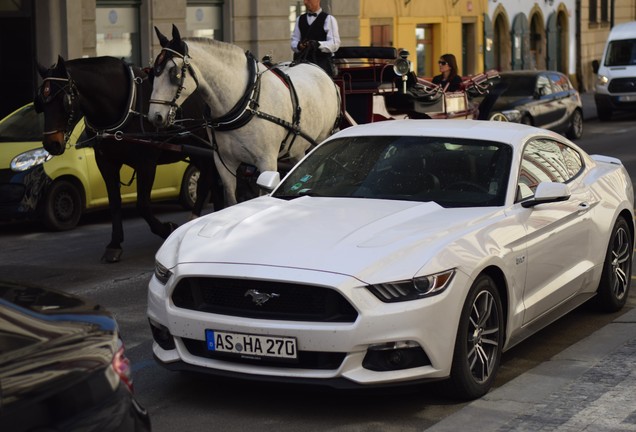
(49, 341)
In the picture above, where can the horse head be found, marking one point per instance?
(57, 98)
(172, 88)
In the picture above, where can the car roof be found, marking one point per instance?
(504, 132)
(623, 31)
(528, 72)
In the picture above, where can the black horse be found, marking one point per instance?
(111, 95)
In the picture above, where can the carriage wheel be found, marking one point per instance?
(62, 206)
(498, 117)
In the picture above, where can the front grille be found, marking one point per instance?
(288, 302)
(306, 359)
(622, 85)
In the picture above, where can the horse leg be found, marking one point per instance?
(110, 174)
(208, 183)
(145, 180)
(227, 172)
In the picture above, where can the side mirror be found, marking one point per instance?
(268, 180)
(595, 66)
(548, 192)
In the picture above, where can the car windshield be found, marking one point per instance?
(23, 126)
(451, 172)
(520, 85)
(621, 53)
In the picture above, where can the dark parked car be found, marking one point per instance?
(62, 365)
(544, 99)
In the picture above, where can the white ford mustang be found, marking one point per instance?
(395, 252)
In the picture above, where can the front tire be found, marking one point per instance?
(479, 341)
(613, 289)
(188, 193)
(63, 206)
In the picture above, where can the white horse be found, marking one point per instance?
(257, 116)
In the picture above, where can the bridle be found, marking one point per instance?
(70, 98)
(176, 78)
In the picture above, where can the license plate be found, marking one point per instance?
(251, 346)
(627, 98)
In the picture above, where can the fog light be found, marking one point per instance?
(395, 356)
(161, 335)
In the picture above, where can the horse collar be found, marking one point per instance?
(132, 98)
(243, 111)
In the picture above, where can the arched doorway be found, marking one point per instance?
(501, 43)
(557, 42)
(537, 42)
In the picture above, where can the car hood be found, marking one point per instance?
(341, 235)
(49, 340)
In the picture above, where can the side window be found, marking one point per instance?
(543, 85)
(559, 82)
(545, 160)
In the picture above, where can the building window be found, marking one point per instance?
(117, 28)
(604, 11)
(593, 11)
(382, 35)
(205, 19)
(296, 9)
(424, 49)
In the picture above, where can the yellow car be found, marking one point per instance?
(58, 189)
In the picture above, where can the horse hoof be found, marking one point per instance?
(112, 255)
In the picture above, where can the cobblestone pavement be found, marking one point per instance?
(591, 387)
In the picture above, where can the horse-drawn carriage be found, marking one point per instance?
(376, 84)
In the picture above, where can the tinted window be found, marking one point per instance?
(520, 85)
(24, 125)
(559, 82)
(621, 53)
(451, 172)
(545, 160)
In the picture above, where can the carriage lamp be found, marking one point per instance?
(402, 67)
(29, 159)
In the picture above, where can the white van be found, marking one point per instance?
(616, 73)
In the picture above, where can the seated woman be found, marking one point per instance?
(449, 80)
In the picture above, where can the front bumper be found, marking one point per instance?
(21, 192)
(625, 102)
(429, 324)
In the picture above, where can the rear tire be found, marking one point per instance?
(63, 206)
(479, 341)
(613, 289)
(576, 126)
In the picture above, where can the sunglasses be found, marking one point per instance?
(442, 63)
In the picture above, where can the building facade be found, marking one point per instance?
(566, 35)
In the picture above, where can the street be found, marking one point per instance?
(70, 261)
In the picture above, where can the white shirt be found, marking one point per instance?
(332, 43)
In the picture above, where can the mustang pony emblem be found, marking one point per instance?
(260, 298)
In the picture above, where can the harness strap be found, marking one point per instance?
(242, 112)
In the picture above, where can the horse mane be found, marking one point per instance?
(223, 46)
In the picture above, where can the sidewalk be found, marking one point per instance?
(590, 386)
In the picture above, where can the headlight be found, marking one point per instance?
(162, 273)
(602, 80)
(402, 66)
(413, 289)
(29, 159)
